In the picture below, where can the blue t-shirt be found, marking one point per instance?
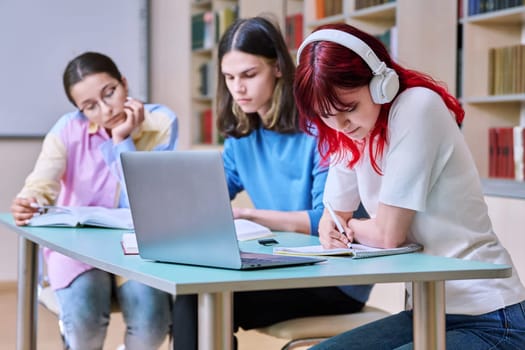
(278, 171)
(281, 172)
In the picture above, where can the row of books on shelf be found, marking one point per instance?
(208, 26)
(506, 156)
(327, 8)
(361, 4)
(507, 70)
(294, 30)
(476, 7)
(204, 133)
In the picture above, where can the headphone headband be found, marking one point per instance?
(384, 85)
(349, 41)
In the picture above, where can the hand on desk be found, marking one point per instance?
(241, 213)
(23, 209)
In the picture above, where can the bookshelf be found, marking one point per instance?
(203, 57)
(217, 15)
(424, 38)
(485, 31)
(209, 19)
(423, 34)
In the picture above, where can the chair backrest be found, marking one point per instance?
(308, 331)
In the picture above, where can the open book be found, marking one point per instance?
(357, 251)
(245, 229)
(83, 216)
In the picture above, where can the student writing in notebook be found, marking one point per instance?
(79, 165)
(267, 155)
(394, 142)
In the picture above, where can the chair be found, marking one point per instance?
(308, 331)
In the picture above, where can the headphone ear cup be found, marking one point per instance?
(384, 87)
(375, 88)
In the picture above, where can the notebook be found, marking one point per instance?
(355, 251)
(182, 214)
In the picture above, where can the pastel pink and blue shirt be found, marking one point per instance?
(79, 165)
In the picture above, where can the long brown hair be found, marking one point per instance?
(257, 36)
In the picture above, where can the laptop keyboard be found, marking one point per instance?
(256, 258)
(259, 260)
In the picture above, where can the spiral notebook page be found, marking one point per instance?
(357, 251)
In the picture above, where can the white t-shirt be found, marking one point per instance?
(427, 167)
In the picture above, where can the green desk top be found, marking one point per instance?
(101, 248)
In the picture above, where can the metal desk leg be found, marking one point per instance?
(429, 315)
(215, 321)
(27, 312)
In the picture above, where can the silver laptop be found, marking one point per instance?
(182, 213)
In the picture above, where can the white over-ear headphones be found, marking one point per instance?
(385, 83)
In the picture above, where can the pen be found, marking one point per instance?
(44, 209)
(337, 222)
(40, 209)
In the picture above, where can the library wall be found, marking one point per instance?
(508, 222)
(18, 157)
(493, 85)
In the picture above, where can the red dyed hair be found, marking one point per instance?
(325, 67)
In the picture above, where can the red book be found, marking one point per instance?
(500, 157)
(505, 153)
(207, 126)
(493, 145)
(298, 30)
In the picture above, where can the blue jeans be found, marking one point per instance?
(85, 308)
(501, 329)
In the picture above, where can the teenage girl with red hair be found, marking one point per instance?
(393, 139)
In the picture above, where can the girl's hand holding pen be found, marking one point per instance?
(23, 209)
(333, 231)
